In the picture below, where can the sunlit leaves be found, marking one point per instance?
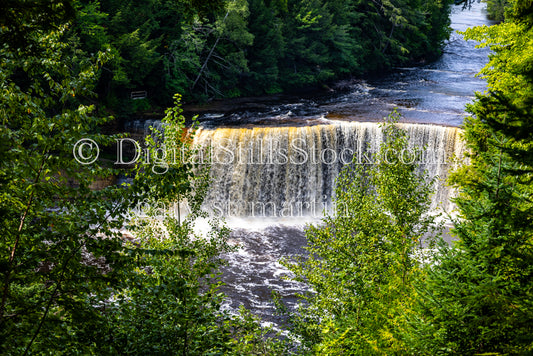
(361, 262)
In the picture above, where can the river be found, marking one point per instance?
(435, 93)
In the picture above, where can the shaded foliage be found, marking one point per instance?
(19, 19)
(60, 249)
(250, 47)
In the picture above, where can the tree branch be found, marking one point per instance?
(7, 279)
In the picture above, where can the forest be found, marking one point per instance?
(224, 49)
(73, 282)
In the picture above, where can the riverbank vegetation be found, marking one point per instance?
(230, 48)
(74, 283)
(496, 9)
(478, 298)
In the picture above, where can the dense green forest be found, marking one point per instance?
(496, 9)
(73, 283)
(229, 48)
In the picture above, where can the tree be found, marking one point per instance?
(71, 283)
(169, 304)
(19, 19)
(64, 263)
(478, 297)
(225, 61)
(267, 49)
(60, 249)
(211, 49)
(361, 262)
(496, 9)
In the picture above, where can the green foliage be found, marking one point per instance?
(20, 19)
(170, 303)
(331, 38)
(59, 248)
(478, 298)
(362, 260)
(249, 339)
(496, 9)
(224, 60)
(268, 46)
(71, 283)
(250, 47)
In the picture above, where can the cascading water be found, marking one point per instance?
(291, 171)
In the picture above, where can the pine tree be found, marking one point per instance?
(267, 49)
(478, 298)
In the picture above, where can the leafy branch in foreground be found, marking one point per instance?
(478, 298)
(60, 250)
(171, 304)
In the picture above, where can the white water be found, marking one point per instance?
(291, 171)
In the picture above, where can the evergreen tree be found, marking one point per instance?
(308, 27)
(267, 50)
(240, 47)
(478, 298)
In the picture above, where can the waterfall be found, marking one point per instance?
(291, 171)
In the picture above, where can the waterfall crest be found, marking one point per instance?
(291, 171)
